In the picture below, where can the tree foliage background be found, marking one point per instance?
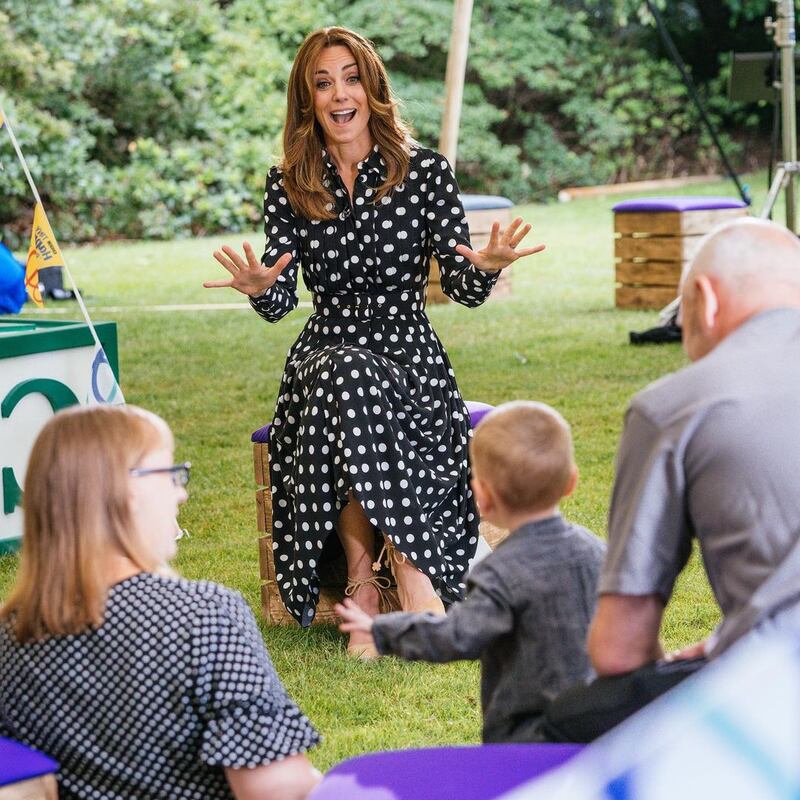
(159, 118)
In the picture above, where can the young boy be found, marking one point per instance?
(529, 603)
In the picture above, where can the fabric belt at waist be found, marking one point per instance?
(379, 304)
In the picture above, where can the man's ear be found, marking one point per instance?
(572, 482)
(707, 301)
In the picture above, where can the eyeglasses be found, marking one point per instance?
(179, 472)
(180, 532)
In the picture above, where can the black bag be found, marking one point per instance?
(585, 712)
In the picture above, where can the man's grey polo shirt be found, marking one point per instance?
(713, 451)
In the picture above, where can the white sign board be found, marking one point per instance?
(43, 368)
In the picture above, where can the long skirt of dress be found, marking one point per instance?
(369, 404)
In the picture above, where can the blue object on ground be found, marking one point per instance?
(12, 283)
(462, 773)
(18, 762)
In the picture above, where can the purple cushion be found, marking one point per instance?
(477, 411)
(461, 773)
(656, 204)
(262, 434)
(484, 202)
(20, 763)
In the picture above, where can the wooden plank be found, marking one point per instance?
(649, 273)
(479, 241)
(264, 510)
(265, 603)
(700, 222)
(480, 222)
(503, 287)
(266, 563)
(261, 463)
(665, 223)
(654, 297)
(657, 248)
(575, 192)
(675, 223)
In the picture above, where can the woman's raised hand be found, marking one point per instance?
(249, 276)
(501, 250)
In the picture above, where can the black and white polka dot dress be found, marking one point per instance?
(368, 401)
(173, 686)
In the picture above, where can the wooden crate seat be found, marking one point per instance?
(481, 210)
(656, 237)
(333, 570)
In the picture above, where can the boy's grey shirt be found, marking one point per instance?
(525, 616)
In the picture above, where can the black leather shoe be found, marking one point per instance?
(664, 334)
(59, 294)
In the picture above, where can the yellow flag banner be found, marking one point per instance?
(43, 253)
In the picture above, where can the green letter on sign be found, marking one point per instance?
(59, 396)
(12, 494)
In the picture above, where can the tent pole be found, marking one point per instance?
(454, 79)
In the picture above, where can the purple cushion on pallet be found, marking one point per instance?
(261, 436)
(465, 773)
(656, 204)
(484, 202)
(20, 763)
(477, 411)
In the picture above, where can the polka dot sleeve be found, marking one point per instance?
(281, 232)
(248, 718)
(447, 227)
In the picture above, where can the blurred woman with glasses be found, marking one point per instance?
(139, 683)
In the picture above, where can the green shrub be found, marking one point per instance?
(159, 118)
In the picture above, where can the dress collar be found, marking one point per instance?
(372, 163)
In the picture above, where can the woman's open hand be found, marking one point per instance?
(501, 250)
(249, 276)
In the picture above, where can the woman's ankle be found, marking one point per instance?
(365, 594)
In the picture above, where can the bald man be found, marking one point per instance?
(713, 452)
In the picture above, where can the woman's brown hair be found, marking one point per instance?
(77, 511)
(303, 168)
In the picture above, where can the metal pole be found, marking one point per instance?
(454, 79)
(785, 39)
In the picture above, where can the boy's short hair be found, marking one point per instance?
(523, 451)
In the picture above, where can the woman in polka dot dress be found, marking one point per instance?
(139, 683)
(370, 432)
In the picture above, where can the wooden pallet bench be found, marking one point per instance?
(482, 210)
(656, 237)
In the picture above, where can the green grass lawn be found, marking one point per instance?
(213, 375)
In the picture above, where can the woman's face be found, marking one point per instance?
(340, 103)
(154, 502)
